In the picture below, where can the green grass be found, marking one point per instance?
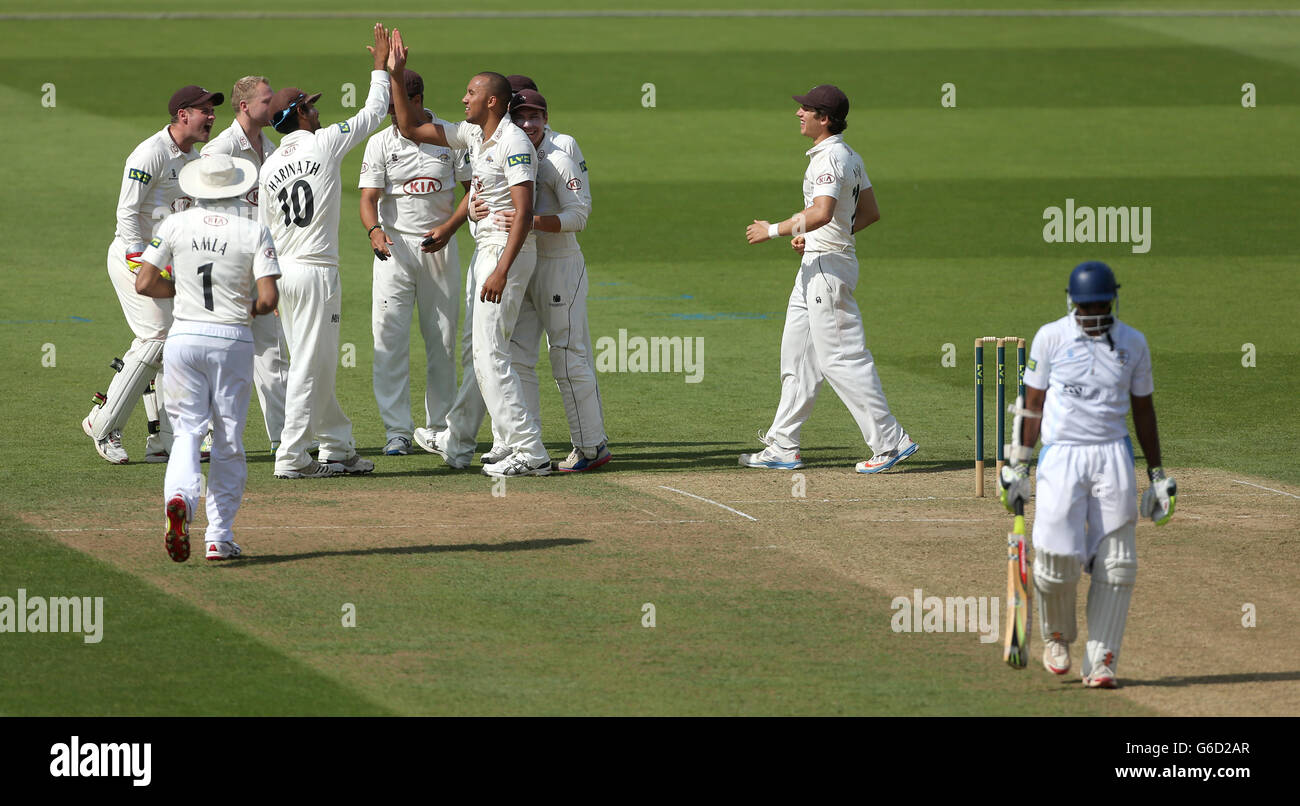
(1106, 111)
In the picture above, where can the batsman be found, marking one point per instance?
(1085, 372)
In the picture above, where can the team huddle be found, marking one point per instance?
(226, 264)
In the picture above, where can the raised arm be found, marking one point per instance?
(410, 120)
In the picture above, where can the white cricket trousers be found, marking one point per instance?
(209, 382)
(824, 339)
(412, 279)
(1085, 492)
(270, 371)
(311, 300)
(502, 395)
(556, 304)
(149, 319)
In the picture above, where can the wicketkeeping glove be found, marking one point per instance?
(1159, 499)
(1015, 485)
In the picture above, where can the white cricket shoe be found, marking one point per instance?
(109, 448)
(498, 453)
(578, 462)
(773, 456)
(1056, 656)
(315, 470)
(223, 550)
(398, 446)
(435, 442)
(516, 464)
(354, 465)
(883, 461)
(1102, 677)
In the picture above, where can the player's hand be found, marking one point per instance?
(379, 241)
(493, 287)
(503, 219)
(797, 243)
(381, 47)
(1015, 486)
(478, 209)
(757, 232)
(133, 261)
(397, 53)
(1159, 499)
(435, 239)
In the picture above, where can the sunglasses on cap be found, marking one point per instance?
(283, 114)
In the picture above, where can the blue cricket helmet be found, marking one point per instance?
(1092, 281)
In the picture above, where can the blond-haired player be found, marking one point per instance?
(250, 100)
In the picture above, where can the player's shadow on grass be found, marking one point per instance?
(1212, 679)
(512, 545)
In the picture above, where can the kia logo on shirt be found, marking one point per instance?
(251, 197)
(215, 221)
(421, 185)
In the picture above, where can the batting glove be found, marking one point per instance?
(1159, 499)
(1015, 486)
(133, 259)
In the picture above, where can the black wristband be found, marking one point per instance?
(372, 229)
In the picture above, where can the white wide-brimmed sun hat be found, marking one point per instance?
(218, 177)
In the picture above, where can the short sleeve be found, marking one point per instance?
(373, 172)
(830, 177)
(1038, 368)
(265, 263)
(464, 171)
(159, 250)
(1142, 385)
(456, 134)
(520, 160)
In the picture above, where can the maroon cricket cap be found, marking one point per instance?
(827, 97)
(192, 96)
(527, 99)
(518, 82)
(414, 84)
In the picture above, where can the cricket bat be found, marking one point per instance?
(1015, 640)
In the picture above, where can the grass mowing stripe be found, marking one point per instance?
(158, 655)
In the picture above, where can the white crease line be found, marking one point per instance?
(709, 501)
(408, 526)
(1270, 489)
(621, 13)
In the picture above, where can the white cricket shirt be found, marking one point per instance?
(561, 191)
(234, 143)
(300, 185)
(507, 158)
(418, 180)
(150, 189)
(568, 145)
(1088, 381)
(834, 170)
(216, 259)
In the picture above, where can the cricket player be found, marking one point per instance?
(216, 254)
(504, 166)
(556, 299)
(1084, 372)
(251, 99)
(150, 191)
(298, 200)
(824, 337)
(407, 196)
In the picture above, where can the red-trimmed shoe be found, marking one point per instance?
(223, 550)
(178, 530)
